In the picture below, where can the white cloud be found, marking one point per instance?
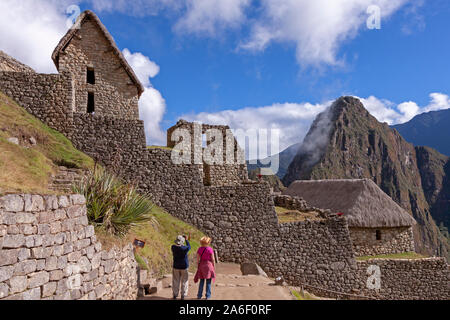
(31, 29)
(136, 7)
(295, 119)
(208, 16)
(152, 105)
(317, 28)
(142, 66)
(387, 111)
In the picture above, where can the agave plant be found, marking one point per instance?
(112, 204)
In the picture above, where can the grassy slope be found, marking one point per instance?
(159, 240)
(404, 255)
(27, 168)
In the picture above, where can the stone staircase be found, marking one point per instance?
(65, 178)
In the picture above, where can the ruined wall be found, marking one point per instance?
(407, 279)
(393, 240)
(46, 96)
(115, 93)
(48, 251)
(226, 172)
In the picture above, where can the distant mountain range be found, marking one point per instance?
(346, 142)
(285, 158)
(431, 129)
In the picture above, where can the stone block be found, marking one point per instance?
(13, 241)
(251, 268)
(12, 203)
(34, 203)
(51, 202)
(74, 256)
(56, 275)
(51, 263)
(4, 290)
(8, 257)
(49, 289)
(18, 284)
(33, 294)
(77, 199)
(100, 291)
(38, 279)
(25, 267)
(63, 201)
(6, 273)
(25, 218)
(24, 254)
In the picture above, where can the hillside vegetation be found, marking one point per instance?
(27, 167)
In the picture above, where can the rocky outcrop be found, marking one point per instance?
(346, 142)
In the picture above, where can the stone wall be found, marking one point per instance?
(49, 251)
(407, 279)
(393, 240)
(46, 96)
(115, 93)
(228, 171)
(109, 139)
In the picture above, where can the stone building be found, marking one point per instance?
(377, 224)
(229, 168)
(104, 82)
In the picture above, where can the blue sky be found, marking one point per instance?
(265, 64)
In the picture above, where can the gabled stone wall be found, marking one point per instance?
(228, 172)
(393, 240)
(115, 93)
(49, 251)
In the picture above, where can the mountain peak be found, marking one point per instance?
(347, 142)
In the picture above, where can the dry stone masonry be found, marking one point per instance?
(48, 248)
(49, 251)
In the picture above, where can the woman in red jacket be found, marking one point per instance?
(206, 267)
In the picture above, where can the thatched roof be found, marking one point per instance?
(363, 203)
(71, 33)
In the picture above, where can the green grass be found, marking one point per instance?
(28, 168)
(159, 239)
(405, 255)
(287, 215)
(305, 296)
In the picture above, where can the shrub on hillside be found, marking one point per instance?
(113, 205)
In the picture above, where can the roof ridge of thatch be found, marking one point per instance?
(363, 203)
(73, 30)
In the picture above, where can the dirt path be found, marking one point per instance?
(230, 285)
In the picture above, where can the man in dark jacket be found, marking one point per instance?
(180, 275)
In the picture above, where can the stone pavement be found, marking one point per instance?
(230, 285)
